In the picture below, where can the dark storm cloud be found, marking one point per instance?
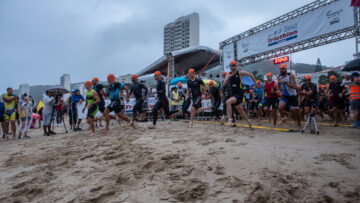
(42, 39)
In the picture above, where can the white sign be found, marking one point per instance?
(130, 105)
(228, 53)
(332, 17)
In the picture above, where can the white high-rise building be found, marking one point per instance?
(182, 33)
(65, 81)
(24, 88)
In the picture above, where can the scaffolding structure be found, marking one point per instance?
(317, 41)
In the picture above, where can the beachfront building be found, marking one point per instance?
(24, 88)
(125, 78)
(182, 33)
(65, 81)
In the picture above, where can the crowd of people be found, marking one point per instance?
(279, 96)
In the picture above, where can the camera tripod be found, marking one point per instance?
(311, 121)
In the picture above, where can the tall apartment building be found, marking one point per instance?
(182, 33)
(65, 81)
(24, 88)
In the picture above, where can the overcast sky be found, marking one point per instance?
(42, 39)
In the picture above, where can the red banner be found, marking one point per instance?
(355, 2)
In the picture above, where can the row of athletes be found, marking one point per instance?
(281, 95)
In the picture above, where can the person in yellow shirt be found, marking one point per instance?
(174, 99)
(10, 100)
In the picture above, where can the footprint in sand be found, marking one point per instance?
(342, 159)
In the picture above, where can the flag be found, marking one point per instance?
(355, 2)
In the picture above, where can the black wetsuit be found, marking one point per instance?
(162, 101)
(215, 92)
(235, 88)
(312, 100)
(136, 89)
(195, 89)
(101, 104)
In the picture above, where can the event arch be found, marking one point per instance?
(316, 24)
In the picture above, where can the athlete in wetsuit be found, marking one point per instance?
(113, 92)
(136, 89)
(162, 101)
(271, 98)
(216, 95)
(309, 90)
(99, 88)
(91, 102)
(194, 88)
(287, 83)
(338, 99)
(226, 93)
(236, 92)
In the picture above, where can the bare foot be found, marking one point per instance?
(132, 123)
(230, 122)
(283, 120)
(190, 124)
(222, 121)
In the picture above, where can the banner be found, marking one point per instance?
(332, 17)
(147, 106)
(228, 56)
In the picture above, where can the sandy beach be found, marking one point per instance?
(206, 163)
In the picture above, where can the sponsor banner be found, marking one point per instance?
(147, 105)
(335, 16)
(228, 56)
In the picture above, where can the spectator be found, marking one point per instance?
(59, 110)
(355, 98)
(47, 113)
(25, 114)
(174, 99)
(76, 99)
(2, 114)
(10, 100)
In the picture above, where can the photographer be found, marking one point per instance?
(48, 100)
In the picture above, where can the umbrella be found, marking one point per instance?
(58, 90)
(353, 65)
(176, 80)
(247, 81)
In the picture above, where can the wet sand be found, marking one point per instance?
(207, 163)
